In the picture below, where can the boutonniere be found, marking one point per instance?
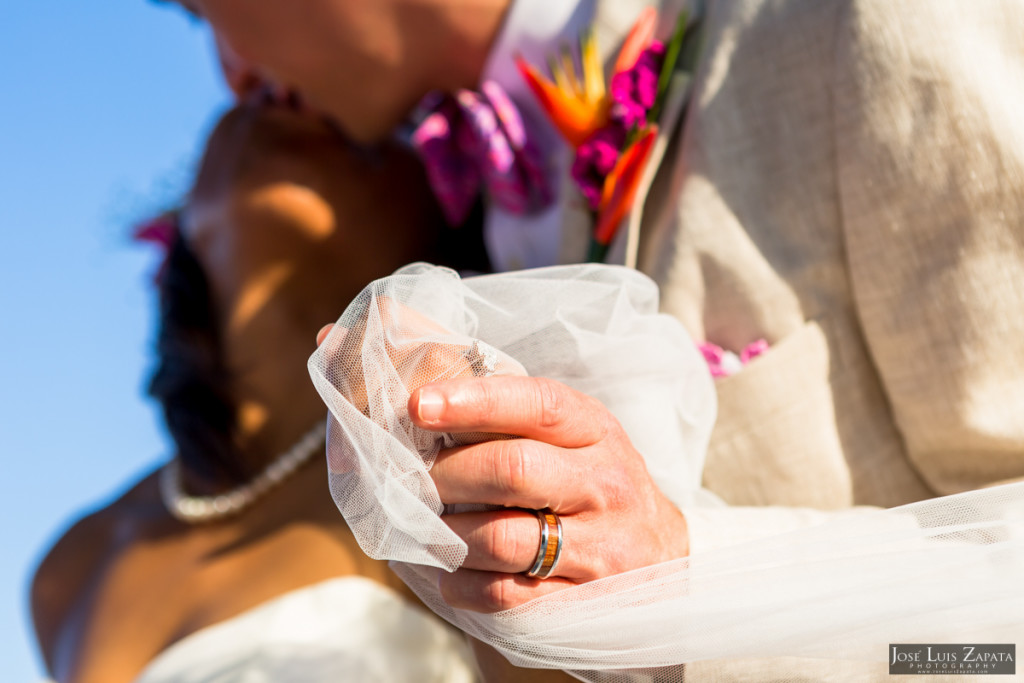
(611, 124)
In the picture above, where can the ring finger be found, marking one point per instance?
(509, 541)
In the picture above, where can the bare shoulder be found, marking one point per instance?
(80, 554)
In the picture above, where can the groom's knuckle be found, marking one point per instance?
(499, 594)
(449, 587)
(497, 538)
(501, 539)
(551, 404)
(484, 401)
(516, 464)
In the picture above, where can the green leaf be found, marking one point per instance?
(672, 51)
(597, 252)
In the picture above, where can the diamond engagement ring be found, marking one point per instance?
(482, 357)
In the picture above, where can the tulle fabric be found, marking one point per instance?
(944, 570)
(595, 328)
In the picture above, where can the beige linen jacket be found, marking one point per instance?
(847, 182)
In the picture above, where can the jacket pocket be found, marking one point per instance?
(776, 440)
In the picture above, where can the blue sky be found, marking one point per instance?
(103, 110)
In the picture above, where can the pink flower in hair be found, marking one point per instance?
(161, 231)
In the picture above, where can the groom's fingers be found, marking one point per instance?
(508, 541)
(498, 541)
(531, 407)
(492, 591)
(517, 473)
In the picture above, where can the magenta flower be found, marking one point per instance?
(720, 362)
(648, 70)
(595, 159)
(723, 363)
(635, 90)
(753, 350)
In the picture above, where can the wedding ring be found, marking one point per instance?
(482, 357)
(550, 548)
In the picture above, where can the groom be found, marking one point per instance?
(843, 179)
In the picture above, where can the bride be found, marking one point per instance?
(809, 426)
(286, 222)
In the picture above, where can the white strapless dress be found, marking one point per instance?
(345, 629)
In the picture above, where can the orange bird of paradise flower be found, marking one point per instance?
(578, 105)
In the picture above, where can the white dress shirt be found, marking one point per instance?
(534, 29)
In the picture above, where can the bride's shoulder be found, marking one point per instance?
(88, 545)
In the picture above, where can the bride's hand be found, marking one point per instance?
(573, 458)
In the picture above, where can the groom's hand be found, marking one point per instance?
(572, 457)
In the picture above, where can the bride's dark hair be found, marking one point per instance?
(191, 378)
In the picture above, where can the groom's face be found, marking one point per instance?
(345, 57)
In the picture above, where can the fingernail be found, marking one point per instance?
(322, 334)
(431, 405)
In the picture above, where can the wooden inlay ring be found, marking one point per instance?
(550, 548)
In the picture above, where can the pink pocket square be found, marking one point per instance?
(723, 363)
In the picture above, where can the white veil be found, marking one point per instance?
(944, 570)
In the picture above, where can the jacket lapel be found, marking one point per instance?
(613, 20)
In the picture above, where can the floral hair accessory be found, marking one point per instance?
(161, 231)
(613, 128)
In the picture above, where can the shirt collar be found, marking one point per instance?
(534, 29)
